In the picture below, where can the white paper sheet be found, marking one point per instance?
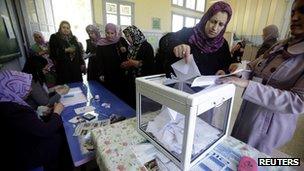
(84, 109)
(185, 71)
(204, 80)
(210, 79)
(74, 96)
(168, 128)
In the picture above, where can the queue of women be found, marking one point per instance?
(272, 100)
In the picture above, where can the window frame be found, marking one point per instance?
(37, 24)
(118, 3)
(184, 19)
(185, 8)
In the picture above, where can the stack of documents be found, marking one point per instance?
(74, 96)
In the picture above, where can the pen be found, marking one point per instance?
(69, 95)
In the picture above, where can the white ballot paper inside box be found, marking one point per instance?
(168, 128)
(185, 71)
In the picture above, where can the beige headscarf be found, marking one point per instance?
(271, 32)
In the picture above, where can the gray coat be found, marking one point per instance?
(269, 112)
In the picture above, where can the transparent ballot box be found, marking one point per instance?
(182, 122)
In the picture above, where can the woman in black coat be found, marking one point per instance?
(205, 41)
(92, 44)
(67, 55)
(111, 52)
(140, 61)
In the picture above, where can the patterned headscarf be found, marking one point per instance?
(200, 39)
(108, 41)
(137, 37)
(14, 86)
(271, 32)
(93, 29)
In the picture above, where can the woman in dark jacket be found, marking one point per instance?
(29, 142)
(92, 43)
(39, 54)
(140, 60)
(111, 52)
(205, 41)
(39, 95)
(66, 53)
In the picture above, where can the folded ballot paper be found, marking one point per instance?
(185, 71)
(74, 96)
(168, 128)
(210, 79)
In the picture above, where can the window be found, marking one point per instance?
(77, 13)
(178, 2)
(197, 5)
(177, 22)
(46, 15)
(189, 22)
(38, 17)
(119, 13)
(180, 21)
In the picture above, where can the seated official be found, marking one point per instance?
(28, 141)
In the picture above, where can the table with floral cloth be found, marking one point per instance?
(112, 144)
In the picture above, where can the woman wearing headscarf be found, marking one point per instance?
(40, 95)
(29, 142)
(160, 56)
(205, 41)
(270, 37)
(274, 93)
(66, 53)
(140, 60)
(111, 52)
(39, 54)
(237, 51)
(92, 43)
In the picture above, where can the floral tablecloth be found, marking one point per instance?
(112, 144)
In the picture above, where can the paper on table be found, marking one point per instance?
(74, 96)
(210, 79)
(84, 109)
(185, 71)
(74, 90)
(85, 127)
(144, 152)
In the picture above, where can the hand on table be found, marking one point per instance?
(62, 90)
(58, 108)
(220, 72)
